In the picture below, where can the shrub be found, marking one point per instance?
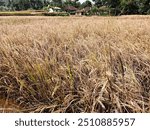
(56, 14)
(4, 8)
(148, 12)
(33, 13)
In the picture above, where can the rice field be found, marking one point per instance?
(75, 64)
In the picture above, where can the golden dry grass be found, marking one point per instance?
(75, 64)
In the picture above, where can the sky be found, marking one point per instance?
(83, 1)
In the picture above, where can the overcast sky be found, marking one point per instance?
(83, 1)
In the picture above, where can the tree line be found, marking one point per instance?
(115, 7)
(126, 6)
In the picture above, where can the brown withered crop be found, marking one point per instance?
(75, 64)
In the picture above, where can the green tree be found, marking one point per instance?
(74, 3)
(87, 3)
(129, 7)
(109, 3)
(2, 3)
(99, 3)
(144, 6)
(26, 4)
(112, 5)
(57, 3)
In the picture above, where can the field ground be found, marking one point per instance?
(75, 64)
(33, 13)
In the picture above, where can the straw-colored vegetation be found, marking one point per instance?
(85, 64)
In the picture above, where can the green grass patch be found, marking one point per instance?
(33, 13)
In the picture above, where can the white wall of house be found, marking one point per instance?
(50, 10)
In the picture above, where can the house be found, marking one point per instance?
(84, 11)
(70, 9)
(79, 12)
(57, 9)
(54, 9)
(50, 10)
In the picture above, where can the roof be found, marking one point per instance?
(70, 8)
(56, 8)
(86, 9)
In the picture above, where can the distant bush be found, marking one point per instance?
(45, 8)
(94, 11)
(33, 13)
(148, 12)
(4, 8)
(56, 14)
